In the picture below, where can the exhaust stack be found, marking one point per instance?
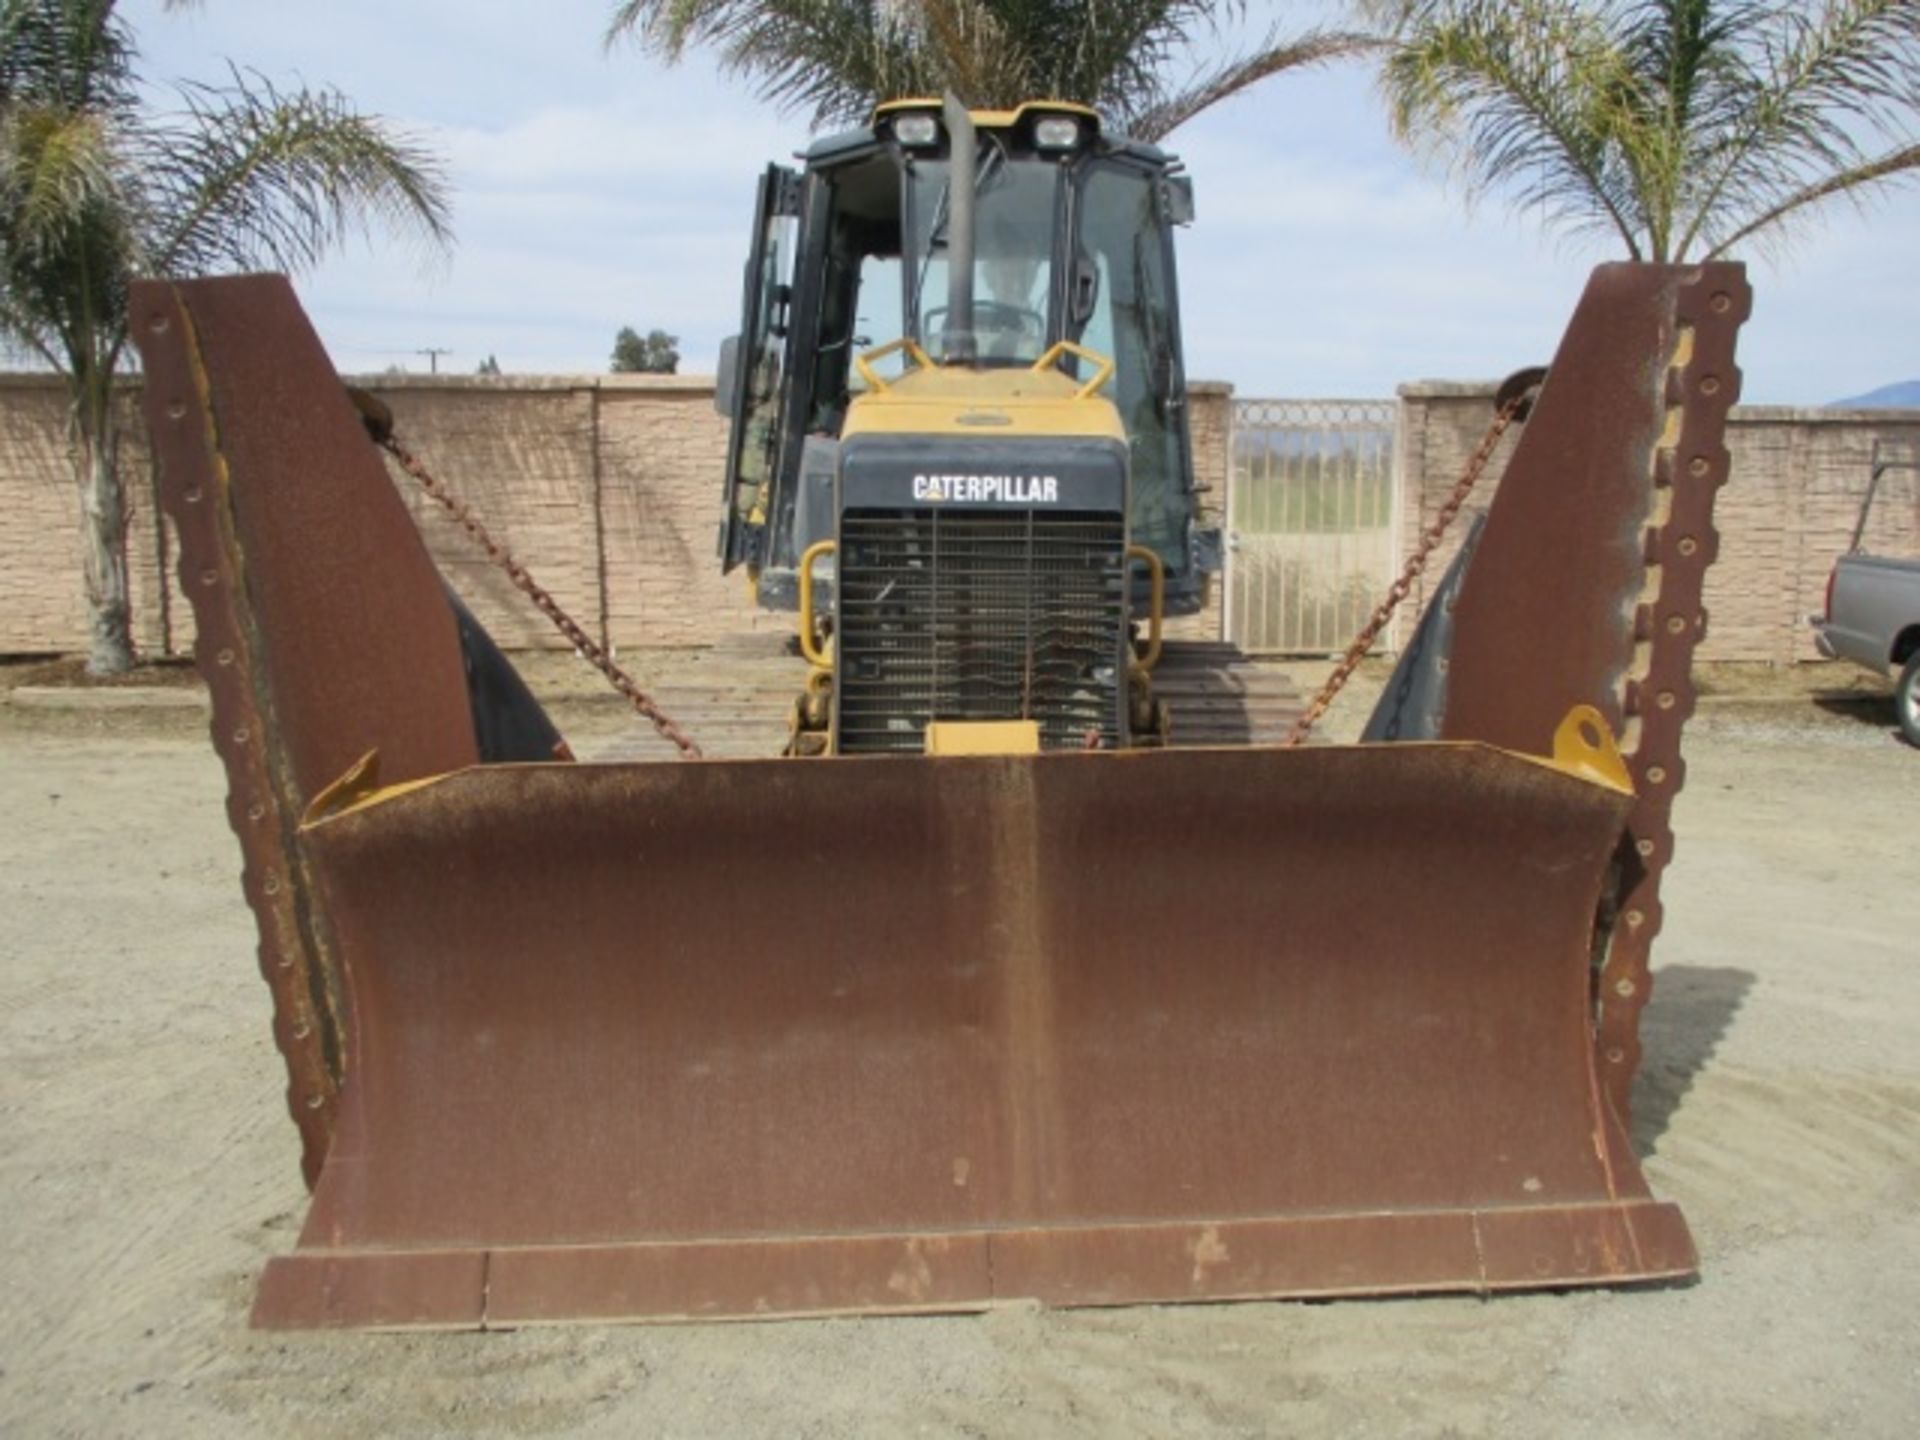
(957, 343)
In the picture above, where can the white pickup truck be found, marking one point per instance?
(1873, 601)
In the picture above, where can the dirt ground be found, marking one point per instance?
(147, 1169)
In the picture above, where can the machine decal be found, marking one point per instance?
(989, 489)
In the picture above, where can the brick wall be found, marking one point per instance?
(609, 489)
(1788, 509)
(661, 456)
(42, 605)
(606, 487)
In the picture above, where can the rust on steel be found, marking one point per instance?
(1089, 1028)
(321, 626)
(1586, 583)
(1050, 1051)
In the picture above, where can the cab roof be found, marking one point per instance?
(847, 143)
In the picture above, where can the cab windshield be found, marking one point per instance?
(1013, 282)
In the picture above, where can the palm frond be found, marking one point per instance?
(837, 58)
(27, 333)
(1895, 165)
(94, 189)
(832, 58)
(58, 169)
(1225, 79)
(978, 57)
(1822, 81)
(668, 27)
(249, 176)
(1684, 123)
(1524, 96)
(74, 54)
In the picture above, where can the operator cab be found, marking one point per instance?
(1072, 239)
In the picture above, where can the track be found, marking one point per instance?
(1222, 696)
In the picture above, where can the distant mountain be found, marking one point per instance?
(1902, 396)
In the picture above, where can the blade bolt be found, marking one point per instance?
(1688, 545)
(1710, 385)
(1623, 988)
(1720, 303)
(177, 410)
(1656, 775)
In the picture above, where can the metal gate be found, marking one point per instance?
(1311, 511)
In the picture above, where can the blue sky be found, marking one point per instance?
(597, 190)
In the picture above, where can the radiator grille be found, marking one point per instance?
(979, 615)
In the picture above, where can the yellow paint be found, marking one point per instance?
(864, 362)
(819, 658)
(1156, 604)
(1584, 746)
(358, 789)
(988, 403)
(1102, 366)
(993, 119)
(983, 737)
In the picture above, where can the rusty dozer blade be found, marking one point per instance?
(755, 1038)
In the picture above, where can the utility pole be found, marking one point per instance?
(433, 354)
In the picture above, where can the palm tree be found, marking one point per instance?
(1687, 127)
(838, 58)
(98, 188)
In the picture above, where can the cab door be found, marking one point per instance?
(753, 368)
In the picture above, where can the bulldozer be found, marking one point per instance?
(983, 991)
(1037, 260)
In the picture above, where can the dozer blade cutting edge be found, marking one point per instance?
(753, 1038)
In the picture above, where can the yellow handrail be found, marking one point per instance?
(809, 641)
(1103, 367)
(1156, 603)
(864, 362)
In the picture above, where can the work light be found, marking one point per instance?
(916, 130)
(1056, 132)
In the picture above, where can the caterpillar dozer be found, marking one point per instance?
(981, 993)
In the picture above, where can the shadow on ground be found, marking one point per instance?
(1863, 708)
(1693, 1007)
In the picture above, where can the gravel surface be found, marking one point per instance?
(147, 1170)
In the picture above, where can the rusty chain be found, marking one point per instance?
(643, 703)
(542, 600)
(1514, 407)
